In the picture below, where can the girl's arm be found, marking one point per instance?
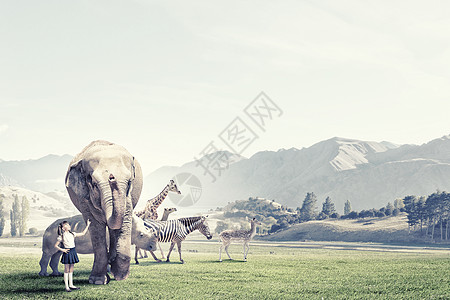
(61, 249)
(88, 222)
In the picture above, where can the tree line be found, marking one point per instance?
(427, 214)
(430, 212)
(18, 215)
(309, 211)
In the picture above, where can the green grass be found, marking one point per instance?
(291, 273)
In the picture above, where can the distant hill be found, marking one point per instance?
(369, 174)
(5, 181)
(377, 230)
(45, 174)
(44, 209)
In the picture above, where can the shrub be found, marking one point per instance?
(335, 216)
(352, 215)
(380, 214)
(322, 216)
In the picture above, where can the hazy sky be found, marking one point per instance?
(165, 78)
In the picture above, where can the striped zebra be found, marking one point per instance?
(175, 231)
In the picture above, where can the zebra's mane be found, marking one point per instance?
(189, 221)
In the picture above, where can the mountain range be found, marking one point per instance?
(369, 174)
(45, 174)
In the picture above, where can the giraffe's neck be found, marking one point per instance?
(165, 215)
(153, 204)
(156, 202)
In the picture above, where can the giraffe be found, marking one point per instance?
(149, 212)
(167, 212)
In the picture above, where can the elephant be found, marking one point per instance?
(104, 182)
(141, 236)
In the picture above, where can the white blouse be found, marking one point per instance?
(68, 239)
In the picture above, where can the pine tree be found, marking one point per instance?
(347, 207)
(389, 209)
(411, 208)
(421, 211)
(13, 223)
(2, 217)
(24, 215)
(328, 207)
(398, 203)
(434, 209)
(308, 210)
(15, 216)
(446, 213)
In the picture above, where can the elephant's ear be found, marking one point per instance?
(76, 181)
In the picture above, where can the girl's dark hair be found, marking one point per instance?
(60, 227)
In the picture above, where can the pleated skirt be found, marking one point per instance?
(70, 258)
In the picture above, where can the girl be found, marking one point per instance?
(69, 257)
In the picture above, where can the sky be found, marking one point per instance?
(165, 78)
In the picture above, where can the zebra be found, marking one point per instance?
(165, 217)
(175, 231)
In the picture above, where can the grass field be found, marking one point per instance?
(273, 271)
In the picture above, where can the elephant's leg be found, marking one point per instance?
(120, 246)
(179, 251)
(44, 263)
(98, 238)
(170, 251)
(113, 237)
(54, 262)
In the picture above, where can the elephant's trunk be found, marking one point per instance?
(114, 204)
(120, 254)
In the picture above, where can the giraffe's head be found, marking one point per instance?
(170, 210)
(173, 187)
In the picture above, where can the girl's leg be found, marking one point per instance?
(71, 277)
(66, 276)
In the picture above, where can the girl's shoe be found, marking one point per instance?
(74, 288)
(68, 290)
